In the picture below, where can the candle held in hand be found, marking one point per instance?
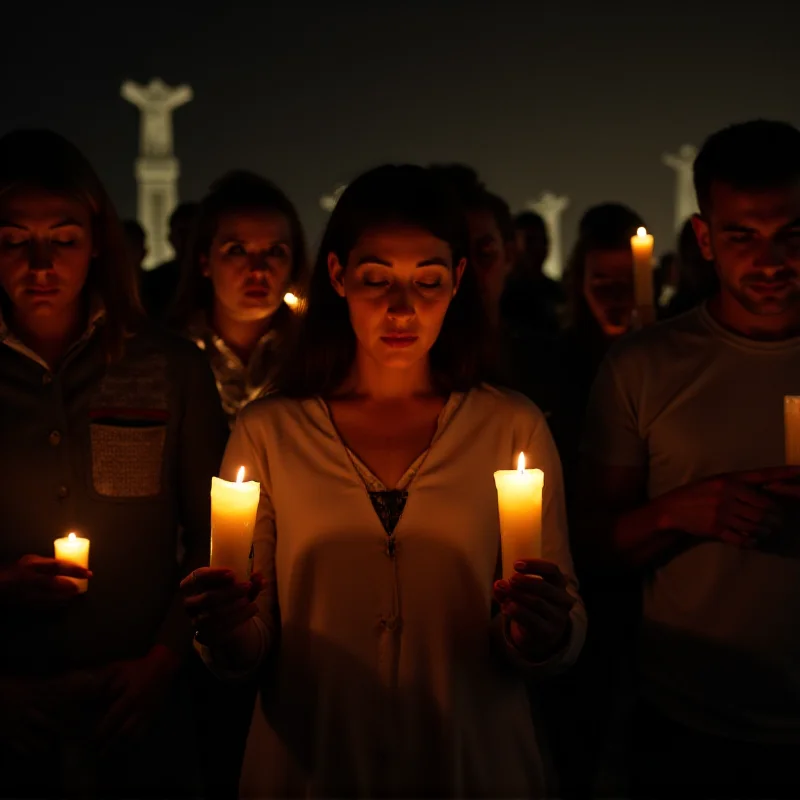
(233, 518)
(519, 501)
(74, 549)
(791, 429)
(642, 247)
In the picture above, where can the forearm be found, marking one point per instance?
(628, 539)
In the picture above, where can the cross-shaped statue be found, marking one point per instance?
(685, 199)
(328, 202)
(551, 206)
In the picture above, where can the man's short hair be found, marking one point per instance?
(750, 156)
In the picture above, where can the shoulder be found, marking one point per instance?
(664, 339)
(505, 406)
(275, 413)
(153, 341)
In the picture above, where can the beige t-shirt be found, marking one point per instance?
(383, 679)
(687, 399)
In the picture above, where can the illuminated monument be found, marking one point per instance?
(157, 169)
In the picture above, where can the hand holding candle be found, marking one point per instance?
(233, 519)
(75, 550)
(519, 501)
(642, 247)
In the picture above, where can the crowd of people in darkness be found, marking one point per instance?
(376, 649)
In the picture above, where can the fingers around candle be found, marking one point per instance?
(544, 569)
(534, 586)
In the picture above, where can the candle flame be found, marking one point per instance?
(240, 475)
(72, 537)
(291, 300)
(641, 233)
(521, 464)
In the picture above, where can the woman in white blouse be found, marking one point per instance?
(369, 617)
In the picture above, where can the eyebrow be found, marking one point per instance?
(239, 240)
(64, 223)
(736, 228)
(428, 262)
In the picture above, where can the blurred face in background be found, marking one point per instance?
(46, 249)
(491, 256)
(608, 288)
(398, 282)
(249, 264)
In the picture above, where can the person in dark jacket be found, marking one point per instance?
(113, 430)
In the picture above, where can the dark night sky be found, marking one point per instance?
(581, 98)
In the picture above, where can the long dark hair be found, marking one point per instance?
(45, 160)
(235, 191)
(392, 194)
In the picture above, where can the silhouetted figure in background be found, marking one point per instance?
(160, 285)
(531, 302)
(248, 250)
(136, 240)
(600, 274)
(697, 278)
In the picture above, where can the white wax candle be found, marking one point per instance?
(642, 247)
(233, 518)
(519, 500)
(74, 549)
(791, 429)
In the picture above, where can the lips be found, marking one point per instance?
(399, 339)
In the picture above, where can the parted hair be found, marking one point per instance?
(393, 194)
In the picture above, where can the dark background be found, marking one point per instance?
(580, 98)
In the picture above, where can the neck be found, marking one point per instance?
(374, 381)
(727, 310)
(50, 337)
(241, 336)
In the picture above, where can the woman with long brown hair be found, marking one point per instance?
(112, 430)
(384, 669)
(247, 252)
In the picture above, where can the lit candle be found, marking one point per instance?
(233, 517)
(291, 300)
(791, 429)
(74, 549)
(642, 247)
(519, 500)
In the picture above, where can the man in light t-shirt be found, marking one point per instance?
(684, 480)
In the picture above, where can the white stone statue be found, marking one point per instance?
(156, 102)
(157, 169)
(328, 202)
(550, 207)
(685, 199)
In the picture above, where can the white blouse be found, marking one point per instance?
(382, 672)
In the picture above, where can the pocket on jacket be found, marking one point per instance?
(127, 461)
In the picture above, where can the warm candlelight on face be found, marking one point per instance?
(791, 429)
(233, 518)
(74, 549)
(642, 247)
(519, 501)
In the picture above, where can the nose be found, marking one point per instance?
(400, 305)
(259, 262)
(40, 256)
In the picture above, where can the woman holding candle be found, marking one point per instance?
(369, 619)
(99, 423)
(247, 252)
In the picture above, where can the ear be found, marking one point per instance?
(458, 274)
(703, 234)
(336, 274)
(204, 268)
